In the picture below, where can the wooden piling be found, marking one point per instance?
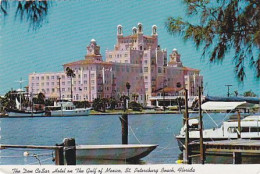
(70, 151)
(124, 124)
(59, 158)
(239, 125)
(237, 158)
(202, 150)
(187, 152)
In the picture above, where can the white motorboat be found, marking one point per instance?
(114, 152)
(65, 108)
(250, 125)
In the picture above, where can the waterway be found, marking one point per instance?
(99, 129)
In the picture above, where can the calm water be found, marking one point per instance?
(149, 129)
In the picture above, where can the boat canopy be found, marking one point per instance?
(225, 105)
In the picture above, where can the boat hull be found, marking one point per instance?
(113, 152)
(76, 112)
(25, 114)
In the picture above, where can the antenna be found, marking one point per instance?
(21, 81)
(228, 94)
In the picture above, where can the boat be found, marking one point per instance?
(24, 113)
(20, 111)
(127, 152)
(65, 108)
(250, 125)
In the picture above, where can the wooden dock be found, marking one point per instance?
(233, 147)
(238, 145)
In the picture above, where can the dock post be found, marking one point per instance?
(187, 139)
(59, 158)
(202, 149)
(237, 158)
(70, 151)
(239, 125)
(124, 123)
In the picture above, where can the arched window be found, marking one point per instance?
(119, 30)
(140, 28)
(154, 30)
(134, 30)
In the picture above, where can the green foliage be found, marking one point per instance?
(249, 94)
(70, 73)
(224, 25)
(34, 12)
(49, 102)
(134, 105)
(100, 104)
(113, 103)
(81, 104)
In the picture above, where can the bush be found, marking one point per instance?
(135, 106)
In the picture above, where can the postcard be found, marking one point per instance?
(154, 86)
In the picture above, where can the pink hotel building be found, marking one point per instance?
(137, 59)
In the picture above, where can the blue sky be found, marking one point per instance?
(71, 25)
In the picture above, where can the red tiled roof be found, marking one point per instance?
(87, 61)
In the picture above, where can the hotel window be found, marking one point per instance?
(32, 84)
(48, 90)
(63, 89)
(92, 75)
(85, 81)
(92, 88)
(75, 88)
(78, 82)
(85, 88)
(110, 56)
(37, 78)
(58, 83)
(68, 89)
(53, 90)
(63, 83)
(126, 61)
(42, 77)
(52, 77)
(47, 77)
(52, 83)
(126, 55)
(47, 83)
(32, 78)
(159, 70)
(145, 54)
(68, 82)
(85, 75)
(146, 89)
(79, 75)
(42, 84)
(92, 82)
(145, 69)
(37, 84)
(145, 62)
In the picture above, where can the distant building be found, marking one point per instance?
(137, 59)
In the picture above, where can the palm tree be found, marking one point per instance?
(128, 86)
(70, 73)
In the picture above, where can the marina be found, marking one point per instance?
(97, 129)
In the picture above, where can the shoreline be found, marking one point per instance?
(104, 113)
